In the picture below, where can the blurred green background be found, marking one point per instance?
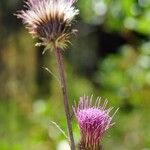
(110, 57)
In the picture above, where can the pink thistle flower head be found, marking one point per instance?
(49, 20)
(93, 121)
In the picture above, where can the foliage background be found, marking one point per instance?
(109, 57)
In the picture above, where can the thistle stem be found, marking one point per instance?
(65, 96)
(84, 147)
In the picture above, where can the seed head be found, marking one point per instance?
(93, 121)
(49, 20)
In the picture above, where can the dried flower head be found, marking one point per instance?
(49, 20)
(93, 121)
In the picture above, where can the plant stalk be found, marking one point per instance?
(82, 146)
(58, 56)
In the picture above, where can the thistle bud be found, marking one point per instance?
(93, 122)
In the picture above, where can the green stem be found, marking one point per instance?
(83, 146)
(65, 96)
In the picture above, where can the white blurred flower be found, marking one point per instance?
(63, 145)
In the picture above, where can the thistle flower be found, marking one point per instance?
(49, 20)
(93, 121)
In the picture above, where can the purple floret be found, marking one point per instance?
(93, 120)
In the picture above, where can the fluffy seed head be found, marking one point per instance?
(49, 20)
(93, 121)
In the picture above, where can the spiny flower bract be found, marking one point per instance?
(93, 121)
(49, 20)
